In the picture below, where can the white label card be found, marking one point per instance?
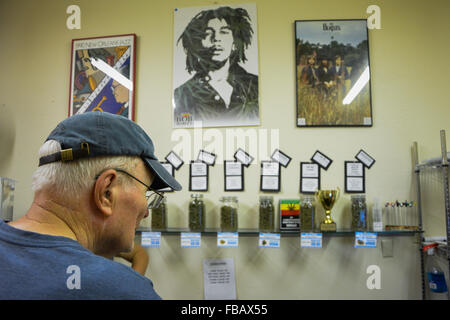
(367, 160)
(355, 184)
(199, 169)
(355, 169)
(310, 184)
(151, 239)
(243, 157)
(190, 240)
(208, 158)
(270, 168)
(311, 240)
(199, 183)
(269, 240)
(233, 168)
(233, 183)
(310, 170)
(270, 182)
(281, 157)
(365, 240)
(228, 239)
(174, 160)
(321, 159)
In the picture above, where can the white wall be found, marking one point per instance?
(409, 84)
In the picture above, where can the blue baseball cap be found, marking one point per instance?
(94, 134)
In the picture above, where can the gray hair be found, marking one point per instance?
(74, 177)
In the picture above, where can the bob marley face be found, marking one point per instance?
(218, 40)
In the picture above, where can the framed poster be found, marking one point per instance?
(215, 69)
(102, 75)
(332, 73)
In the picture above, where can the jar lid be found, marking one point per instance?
(229, 198)
(196, 195)
(358, 196)
(266, 198)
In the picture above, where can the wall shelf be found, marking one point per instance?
(254, 232)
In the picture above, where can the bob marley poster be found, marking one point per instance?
(215, 66)
(333, 74)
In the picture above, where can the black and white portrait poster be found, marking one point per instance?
(215, 76)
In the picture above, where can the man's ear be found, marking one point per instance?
(104, 191)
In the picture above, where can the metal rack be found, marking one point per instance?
(442, 165)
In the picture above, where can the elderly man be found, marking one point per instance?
(96, 180)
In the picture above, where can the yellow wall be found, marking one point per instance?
(409, 70)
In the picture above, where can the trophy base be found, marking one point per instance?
(328, 227)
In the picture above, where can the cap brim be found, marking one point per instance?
(163, 178)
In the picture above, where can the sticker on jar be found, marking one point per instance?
(228, 239)
(269, 240)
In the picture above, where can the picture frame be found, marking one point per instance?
(309, 176)
(233, 172)
(322, 160)
(333, 85)
(102, 75)
(270, 176)
(355, 180)
(281, 157)
(198, 176)
(243, 157)
(198, 62)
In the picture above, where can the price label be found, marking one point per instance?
(269, 240)
(228, 239)
(151, 239)
(190, 240)
(311, 240)
(365, 240)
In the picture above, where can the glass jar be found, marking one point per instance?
(307, 213)
(266, 214)
(159, 216)
(197, 213)
(359, 212)
(229, 214)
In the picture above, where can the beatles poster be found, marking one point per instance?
(102, 75)
(215, 75)
(333, 74)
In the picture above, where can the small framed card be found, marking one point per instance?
(191, 240)
(281, 157)
(174, 160)
(270, 183)
(354, 177)
(243, 157)
(199, 169)
(270, 168)
(322, 160)
(234, 177)
(365, 158)
(207, 157)
(171, 170)
(309, 177)
(151, 239)
(234, 183)
(198, 176)
(365, 240)
(233, 168)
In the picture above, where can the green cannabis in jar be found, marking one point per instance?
(197, 213)
(229, 214)
(159, 216)
(266, 214)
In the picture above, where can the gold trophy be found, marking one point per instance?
(328, 198)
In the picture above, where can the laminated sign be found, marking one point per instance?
(290, 215)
